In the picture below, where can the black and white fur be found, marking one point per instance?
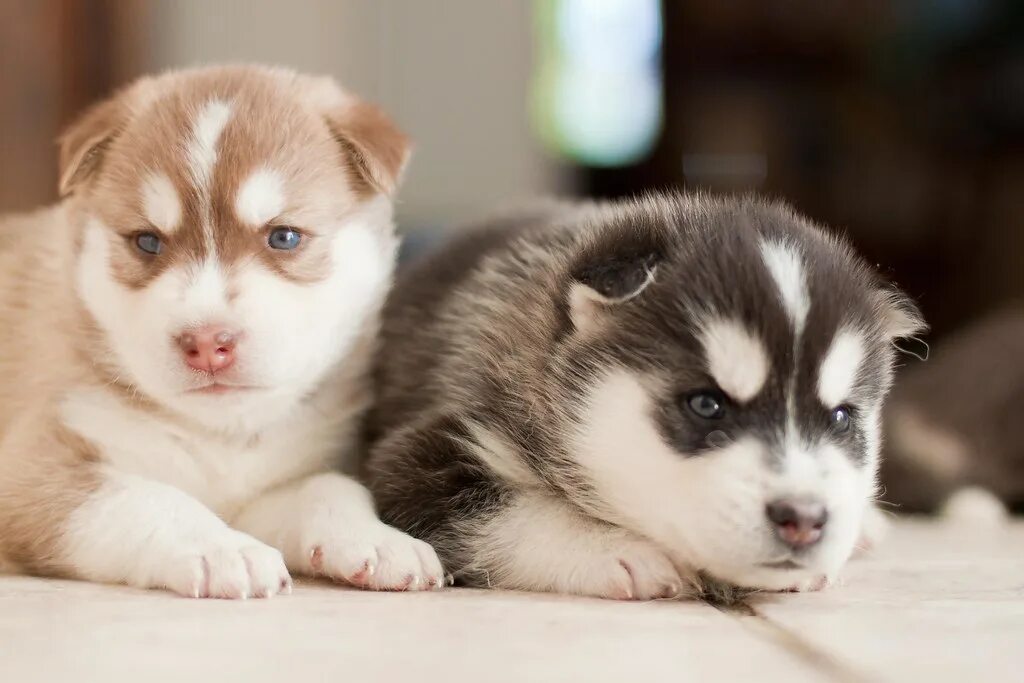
(533, 420)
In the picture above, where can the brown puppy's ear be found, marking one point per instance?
(83, 143)
(376, 148)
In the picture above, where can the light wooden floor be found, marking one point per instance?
(935, 603)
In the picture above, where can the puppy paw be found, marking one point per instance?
(378, 557)
(634, 570)
(232, 565)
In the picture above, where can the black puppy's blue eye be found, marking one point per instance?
(149, 243)
(284, 238)
(707, 405)
(839, 420)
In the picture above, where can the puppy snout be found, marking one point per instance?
(208, 349)
(798, 522)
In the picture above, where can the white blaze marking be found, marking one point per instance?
(206, 131)
(838, 371)
(736, 359)
(260, 198)
(787, 270)
(202, 153)
(160, 202)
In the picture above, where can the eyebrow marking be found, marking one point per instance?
(260, 198)
(838, 371)
(160, 202)
(736, 359)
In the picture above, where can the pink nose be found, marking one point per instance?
(798, 523)
(208, 349)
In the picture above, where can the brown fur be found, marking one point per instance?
(41, 469)
(48, 342)
(377, 148)
(285, 137)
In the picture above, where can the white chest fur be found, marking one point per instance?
(223, 471)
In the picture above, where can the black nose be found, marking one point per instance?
(798, 522)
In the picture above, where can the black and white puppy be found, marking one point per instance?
(612, 399)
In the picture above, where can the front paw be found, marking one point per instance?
(810, 585)
(229, 565)
(633, 570)
(377, 557)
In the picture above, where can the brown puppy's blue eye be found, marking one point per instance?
(284, 238)
(149, 243)
(706, 404)
(839, 420)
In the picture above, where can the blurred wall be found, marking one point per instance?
(56, 57)
(454, 74)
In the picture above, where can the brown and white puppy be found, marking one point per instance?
(184, 341)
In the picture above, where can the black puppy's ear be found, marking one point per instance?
(901, 319)
(600, 286)
(899, 315)
(621, 278)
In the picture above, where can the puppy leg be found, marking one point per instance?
(540, 543)
(326, 525)
(492, 531)
(63, 513)
(151, 535)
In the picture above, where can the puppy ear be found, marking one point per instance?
(84, 142)
(900, 317)
(377, 149)
(598, 287)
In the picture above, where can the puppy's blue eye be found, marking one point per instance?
(284, 238)
(149, 243)
(706, 404)
(839, 420)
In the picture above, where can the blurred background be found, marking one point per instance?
(898, 122)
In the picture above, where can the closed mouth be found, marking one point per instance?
(215, 388)
(783, 564)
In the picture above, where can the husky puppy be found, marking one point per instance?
(613, 399)
(185, 341)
